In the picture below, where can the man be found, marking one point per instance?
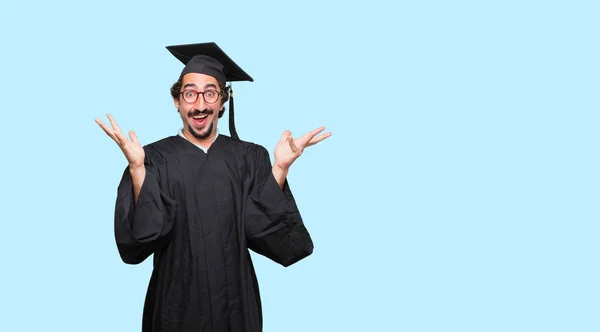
(199, 200)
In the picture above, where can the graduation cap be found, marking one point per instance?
(209, 59)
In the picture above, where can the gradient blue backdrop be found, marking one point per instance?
(459, 191)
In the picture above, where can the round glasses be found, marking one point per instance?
(210, 96)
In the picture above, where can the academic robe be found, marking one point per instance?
(199, 214)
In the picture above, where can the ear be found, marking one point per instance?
(176, 102)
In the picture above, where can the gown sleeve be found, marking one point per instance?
(274, 227)
(143, 228)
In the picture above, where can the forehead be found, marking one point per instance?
(200, 80)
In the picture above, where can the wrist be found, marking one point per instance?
(280, 174)
(280, 170)
(136, 168)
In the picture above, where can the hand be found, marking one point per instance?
(289, 149)
(133, 150)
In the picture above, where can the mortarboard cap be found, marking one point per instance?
(209, 59)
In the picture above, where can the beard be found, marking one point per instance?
(201, 135)
(208, 128)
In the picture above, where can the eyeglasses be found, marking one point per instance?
(210, 96)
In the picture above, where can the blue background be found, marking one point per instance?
(459, 191)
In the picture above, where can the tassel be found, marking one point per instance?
(232, 130)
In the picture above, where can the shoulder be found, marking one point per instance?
(251, 149)
(241, 147)
(171, 146)
(249, 152)
(161, 144)
(158, 150)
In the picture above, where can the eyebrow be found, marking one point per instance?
(193, 85)
(189, 85)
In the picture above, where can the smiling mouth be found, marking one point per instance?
(200, 117)
(199, 120)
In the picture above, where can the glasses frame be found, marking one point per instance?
(219, 94)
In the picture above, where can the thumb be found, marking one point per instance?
(286, 135)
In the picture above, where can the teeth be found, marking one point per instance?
(199, 116)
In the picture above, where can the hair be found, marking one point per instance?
(176, 90)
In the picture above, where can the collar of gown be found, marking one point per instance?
(180, 133)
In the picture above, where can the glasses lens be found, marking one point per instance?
(211, 96)
(190, 96)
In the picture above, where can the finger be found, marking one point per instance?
(113, 123)
(314, 132)
(292, 145)
(318, 130)
(133, 137)
(318, 139)
(107, 130)
(310, 135)
(121, 138)
(103, 126)
(286, 134)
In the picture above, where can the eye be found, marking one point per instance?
(210, 93)
(189, 93)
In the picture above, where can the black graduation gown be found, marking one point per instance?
(199, 213)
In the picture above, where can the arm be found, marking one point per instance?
(280, 175)
(144, 212)
(274, 226)
(137, 178)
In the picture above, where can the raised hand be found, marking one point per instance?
(133, 150)
(288, 149)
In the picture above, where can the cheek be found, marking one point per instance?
(216, 115)
(184, 108)
(183, 111)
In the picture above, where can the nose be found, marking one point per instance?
(200, 102)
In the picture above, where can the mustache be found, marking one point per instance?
(197, 112)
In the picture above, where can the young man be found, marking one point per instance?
(199, 200)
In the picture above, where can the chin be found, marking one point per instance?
(201, 133)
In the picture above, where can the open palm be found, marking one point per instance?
(132, 149)
(288, 149)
